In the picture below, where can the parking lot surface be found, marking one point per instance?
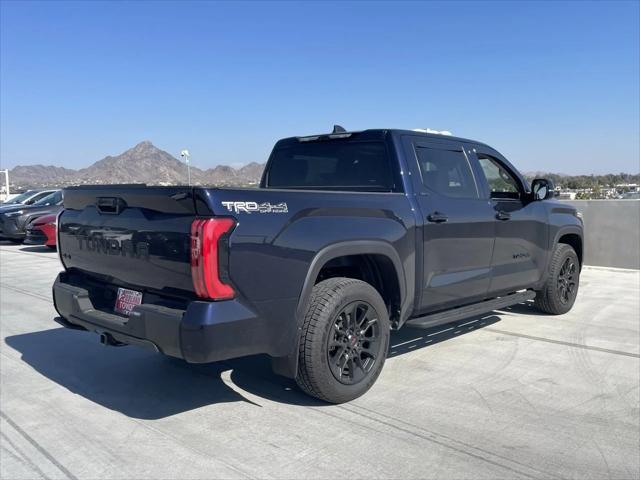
(514, 394)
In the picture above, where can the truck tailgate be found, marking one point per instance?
(134, 237)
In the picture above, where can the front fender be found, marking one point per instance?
(574, 230)
(563, 220)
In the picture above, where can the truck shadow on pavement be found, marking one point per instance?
(408, 339)
(145, 385)
(525, 308)
(29, 248)
(39, 249)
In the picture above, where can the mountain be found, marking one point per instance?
(252, 170)
(144, 163)
(35, 174)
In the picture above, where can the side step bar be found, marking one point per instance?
(479, 308)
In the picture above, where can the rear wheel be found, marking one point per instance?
(344, 340)
(559, 292)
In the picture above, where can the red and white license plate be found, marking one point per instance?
(126, 300)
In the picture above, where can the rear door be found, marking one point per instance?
(458, 228)
(519, 255)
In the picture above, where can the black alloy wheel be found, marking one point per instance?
(354, 343)
(344, 340)
(562, 280)
(567, 280)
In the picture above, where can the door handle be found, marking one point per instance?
(503, 215)
(437, 217)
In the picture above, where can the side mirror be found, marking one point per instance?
(29, 202)
(542, 189)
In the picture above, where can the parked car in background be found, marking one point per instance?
(27, 198)
(14, 221)
(42, 231)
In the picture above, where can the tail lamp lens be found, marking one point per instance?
(207, 237)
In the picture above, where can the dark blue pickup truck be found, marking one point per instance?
(350, 235)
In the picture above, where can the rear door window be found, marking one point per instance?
(51, 199)
(447, 172)
(40, 196)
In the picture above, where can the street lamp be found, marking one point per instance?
(6, 180)
(185, 154)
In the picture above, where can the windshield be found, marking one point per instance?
(52, 199)
(19, 198)
(331, 165)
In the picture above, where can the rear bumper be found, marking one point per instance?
(204, 332)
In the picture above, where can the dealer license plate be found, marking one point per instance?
(126, 300)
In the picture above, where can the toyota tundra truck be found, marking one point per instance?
(349, 236)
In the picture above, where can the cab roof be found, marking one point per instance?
(374, 134)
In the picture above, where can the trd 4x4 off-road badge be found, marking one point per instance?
(255, 207)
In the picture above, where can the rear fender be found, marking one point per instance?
(288, 366)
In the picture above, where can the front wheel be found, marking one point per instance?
(344, 340)
(559, 292)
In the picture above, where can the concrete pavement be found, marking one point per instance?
(514, 394)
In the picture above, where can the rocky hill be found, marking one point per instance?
(144, 163)
(37, 174)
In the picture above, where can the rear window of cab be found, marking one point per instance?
(331, 165)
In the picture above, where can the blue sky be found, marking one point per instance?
(554, 86)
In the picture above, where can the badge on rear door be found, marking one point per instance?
(126, 300)
(255, 207)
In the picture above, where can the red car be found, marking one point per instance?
(42, 231)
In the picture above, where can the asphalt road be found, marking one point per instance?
(513, 394)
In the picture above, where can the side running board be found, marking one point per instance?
(479, 308)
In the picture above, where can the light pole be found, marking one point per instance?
(185, 154)
(6, 181)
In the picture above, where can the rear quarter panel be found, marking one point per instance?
(271, 254)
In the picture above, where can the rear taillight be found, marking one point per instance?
(208, 237)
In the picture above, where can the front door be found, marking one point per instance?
(519, 255)
(458, 228)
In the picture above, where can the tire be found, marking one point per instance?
(559, 292)
(344, 340)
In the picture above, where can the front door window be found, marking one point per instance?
(502, 184)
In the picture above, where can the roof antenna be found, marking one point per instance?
(338, 129)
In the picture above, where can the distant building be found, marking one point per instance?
(566, 195)
(631, 196)
(627, 187)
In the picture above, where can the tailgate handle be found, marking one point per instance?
(110, 205)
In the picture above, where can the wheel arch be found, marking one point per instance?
(572, 236)
(381, 251)
(385, 260)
